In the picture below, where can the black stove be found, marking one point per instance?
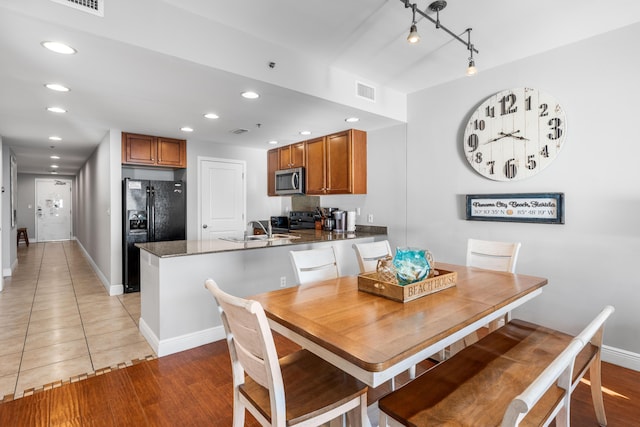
(302, 220)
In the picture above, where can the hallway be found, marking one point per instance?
(59, 325)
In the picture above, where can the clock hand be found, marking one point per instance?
(495, 139)
(504, 135)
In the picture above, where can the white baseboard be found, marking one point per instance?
(148, 334)
(180, 343)
(112, 289)
(8, 272)
(620, 357)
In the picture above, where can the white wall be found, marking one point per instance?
(9, 250)
(97, 229)
(591, 260)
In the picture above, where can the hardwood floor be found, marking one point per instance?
(59, 323)
(193, 388)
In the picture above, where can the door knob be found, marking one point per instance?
(204, 225)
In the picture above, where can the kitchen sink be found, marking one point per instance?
(260, 238)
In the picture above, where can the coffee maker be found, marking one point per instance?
(340, 218)
(328, 219)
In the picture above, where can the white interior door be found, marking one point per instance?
(53, 209)
(222, 198)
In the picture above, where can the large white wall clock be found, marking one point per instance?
(514, 134)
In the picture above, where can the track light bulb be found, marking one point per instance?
(472, 70)
(414, 37)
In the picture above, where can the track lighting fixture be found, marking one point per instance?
(414, 37)
(471, 69)
(436, 7)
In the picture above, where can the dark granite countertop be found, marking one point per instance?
(197, 247)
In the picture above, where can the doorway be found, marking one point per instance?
(53, 210)
(221, 198)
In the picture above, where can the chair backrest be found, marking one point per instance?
(500, 256)
(315, 264)
(251, 346)
(560, 371)
(368, 254)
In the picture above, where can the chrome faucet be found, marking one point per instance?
(268, 231)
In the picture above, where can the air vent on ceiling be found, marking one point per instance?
(95, 7)
(239, 131)
(365, 91)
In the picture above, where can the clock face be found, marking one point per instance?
(514, 134)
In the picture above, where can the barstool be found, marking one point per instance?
(22, 233)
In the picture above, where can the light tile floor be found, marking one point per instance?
(57, 322)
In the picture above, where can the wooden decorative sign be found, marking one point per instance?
(545, 208)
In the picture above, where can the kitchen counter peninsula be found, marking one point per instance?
(299, 237)
(178, 313)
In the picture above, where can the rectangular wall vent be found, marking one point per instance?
(365, 91)
(95, 7)
(239, 131)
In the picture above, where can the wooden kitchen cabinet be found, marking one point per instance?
(292, 156)
(337, 164)
(147, 150)
(273, 164)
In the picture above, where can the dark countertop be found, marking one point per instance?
(198, 247)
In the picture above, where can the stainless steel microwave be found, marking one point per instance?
(290, 181)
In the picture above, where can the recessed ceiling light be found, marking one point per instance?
(56, 110)
(186, 129)
(273, 142)
(58, 47)
(55, 157)
(305, 132)
(212, 116)
(250, 95)
(351, 119)
(57, 87)
(54, 166)
(55, 138)
(54, 173)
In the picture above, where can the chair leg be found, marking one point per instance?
(562, 418)
(412, 372)
(382, 420)
(238, 413)
(595, 376)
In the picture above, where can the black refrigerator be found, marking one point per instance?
(153, 211)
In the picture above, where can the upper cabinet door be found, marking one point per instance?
(138, 149)
(339, 168)
(172, 152)
(297, 153)
(273, 162)
(315, 166)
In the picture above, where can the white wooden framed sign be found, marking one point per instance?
(547, 208)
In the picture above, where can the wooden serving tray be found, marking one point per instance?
(369, 282)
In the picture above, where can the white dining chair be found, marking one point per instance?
(314, 264)
(490, 255)
(499, 256)
(368, 254)
(298, 389)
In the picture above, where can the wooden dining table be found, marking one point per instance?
(374, 338)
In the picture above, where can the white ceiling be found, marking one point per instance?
(153, 66)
